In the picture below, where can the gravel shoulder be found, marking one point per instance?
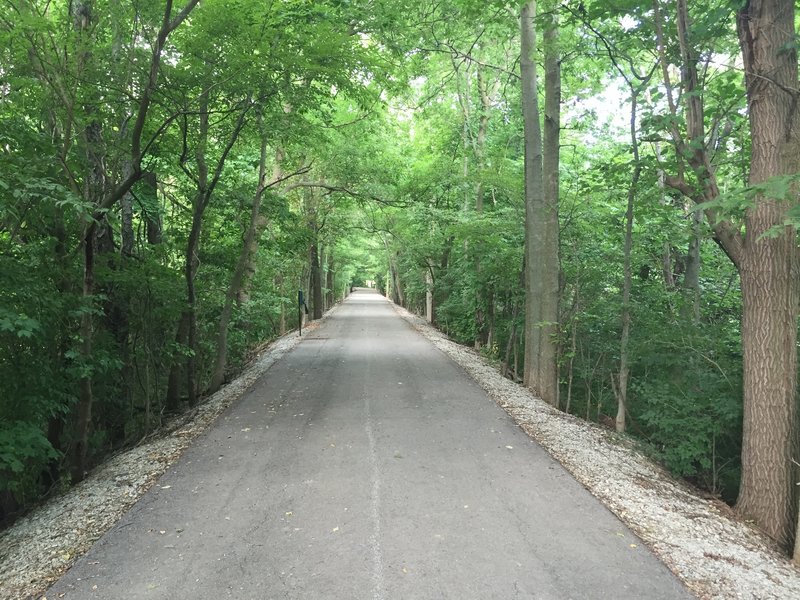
(716, 555)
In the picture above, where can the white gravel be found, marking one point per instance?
(701, 540)
(716, 555)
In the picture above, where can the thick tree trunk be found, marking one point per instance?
(770, 273)
(541, 232)
(768, 266)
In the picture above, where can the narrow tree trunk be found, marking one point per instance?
(126, 216)
(176, 371)
(238, 278)
(329, 280)
(428, 295)
(85, 399)
(316, 275)
(482, 294)
(397, 288)
(82, 17)
(192, 246)
(279, 287)
(624, 367)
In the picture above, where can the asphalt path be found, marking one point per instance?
(366, 464)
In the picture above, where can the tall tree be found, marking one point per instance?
(766, 256)
(541, 230)
(770, 269)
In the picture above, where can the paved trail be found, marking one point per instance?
(365, 464)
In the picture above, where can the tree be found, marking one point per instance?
(769, 265)
(766, 256)
(541, 227)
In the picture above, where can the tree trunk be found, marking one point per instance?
(329, 279)
(691, 277)
(85, 399)
(153, 219)
(770, 273)
(205, 189)
(428, 295)
(192, 246)
(176, 371)
(94, 183)
(550, 253)
(239, 276)
(316, 275)
(621, 388)
(541, 232)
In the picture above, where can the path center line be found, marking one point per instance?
(375, 503)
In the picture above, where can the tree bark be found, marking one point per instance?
(126, 217)
(316, 274)
(621, 388)
(691, 277)
(770, 273)
(176, 370)
(329, 279)
(206, 183)
(192, 246)
(550, 164)
(153, 220)
(103, 199)
(541, 284)
(238, 278)
(428, 295)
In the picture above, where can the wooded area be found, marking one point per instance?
(601, 197)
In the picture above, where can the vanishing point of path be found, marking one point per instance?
(366, 465)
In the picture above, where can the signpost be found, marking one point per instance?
(301, 302)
